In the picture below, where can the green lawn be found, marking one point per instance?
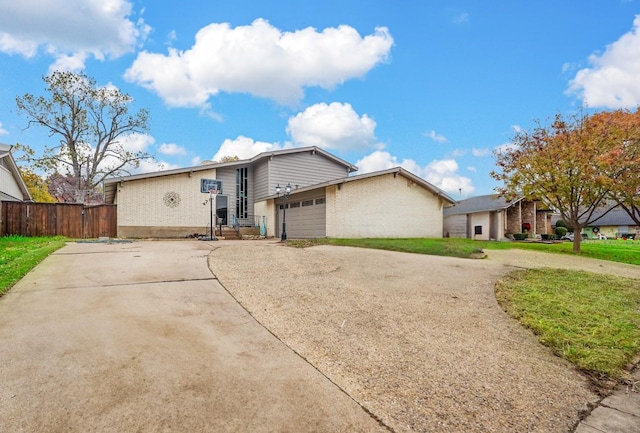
(591, 320)
(617, 251)
(18, 255)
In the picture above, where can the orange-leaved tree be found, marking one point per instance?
(37, 185)
(621, 161)
(561, 165)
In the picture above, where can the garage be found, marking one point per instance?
(306, 216)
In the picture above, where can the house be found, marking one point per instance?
(323, 200)
(392, 203)
(12, 186)
(616, 223)
(492, 217)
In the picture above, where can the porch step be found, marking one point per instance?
(228, 233)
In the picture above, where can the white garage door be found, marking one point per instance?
(306, 219)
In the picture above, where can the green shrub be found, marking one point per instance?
(563, 223)
(561, 231)
(519, 236)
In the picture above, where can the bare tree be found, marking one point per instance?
(90, 122)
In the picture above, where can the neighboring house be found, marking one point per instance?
(491, 217)
(12, 186)
(614, 224)
(324, 199)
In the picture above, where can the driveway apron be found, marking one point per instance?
(140, 336)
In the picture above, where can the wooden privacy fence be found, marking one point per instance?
(58, 219)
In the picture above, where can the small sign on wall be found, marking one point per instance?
(212, 186)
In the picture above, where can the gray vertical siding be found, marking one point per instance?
(261, 179)
(303, 169)
(228, 177)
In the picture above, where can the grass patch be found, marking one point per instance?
(616, 251)
(437, 247)
(18, 255)
(591, 320)
(306, 243)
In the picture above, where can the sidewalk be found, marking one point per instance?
(618, 413)
(140, 337)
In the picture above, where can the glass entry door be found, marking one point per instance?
(222, 209)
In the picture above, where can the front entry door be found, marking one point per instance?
(222, 209)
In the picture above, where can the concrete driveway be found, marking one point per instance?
(141, 337)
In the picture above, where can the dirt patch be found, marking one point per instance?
(419, 341)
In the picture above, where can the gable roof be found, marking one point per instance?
(7, 159)
(615, 217)
(110, 185)
(481, 203)
(396, 170)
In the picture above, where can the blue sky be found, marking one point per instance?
(433, 86)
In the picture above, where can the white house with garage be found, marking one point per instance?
(318, 197)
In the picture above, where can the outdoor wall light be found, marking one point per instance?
(287, 191)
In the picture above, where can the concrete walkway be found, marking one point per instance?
(140, 337)
(618, 413)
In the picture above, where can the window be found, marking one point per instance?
(321, 200)
(296, 204)
(307, 203)
(242, 192)
(478, 230)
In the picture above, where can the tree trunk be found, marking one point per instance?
(577, 238)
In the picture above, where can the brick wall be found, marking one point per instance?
(383, 206)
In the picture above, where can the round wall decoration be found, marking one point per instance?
(172, 199)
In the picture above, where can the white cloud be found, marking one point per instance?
(69, 30)
(12, 45)
(436, 137)
(141, 143)
(137, 142)
(472, 169)
(172, 36)
(478, 153)
(2, 130)
(131, 143)
(443, 174)
(172, 149)
(462, 18)
(333, 126)
(612, 80)
(261, 60)
(505, 147)
(382, 160)
(73, 62)
(243, 148)
(152, 165)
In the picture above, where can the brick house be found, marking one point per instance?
(491, 217)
